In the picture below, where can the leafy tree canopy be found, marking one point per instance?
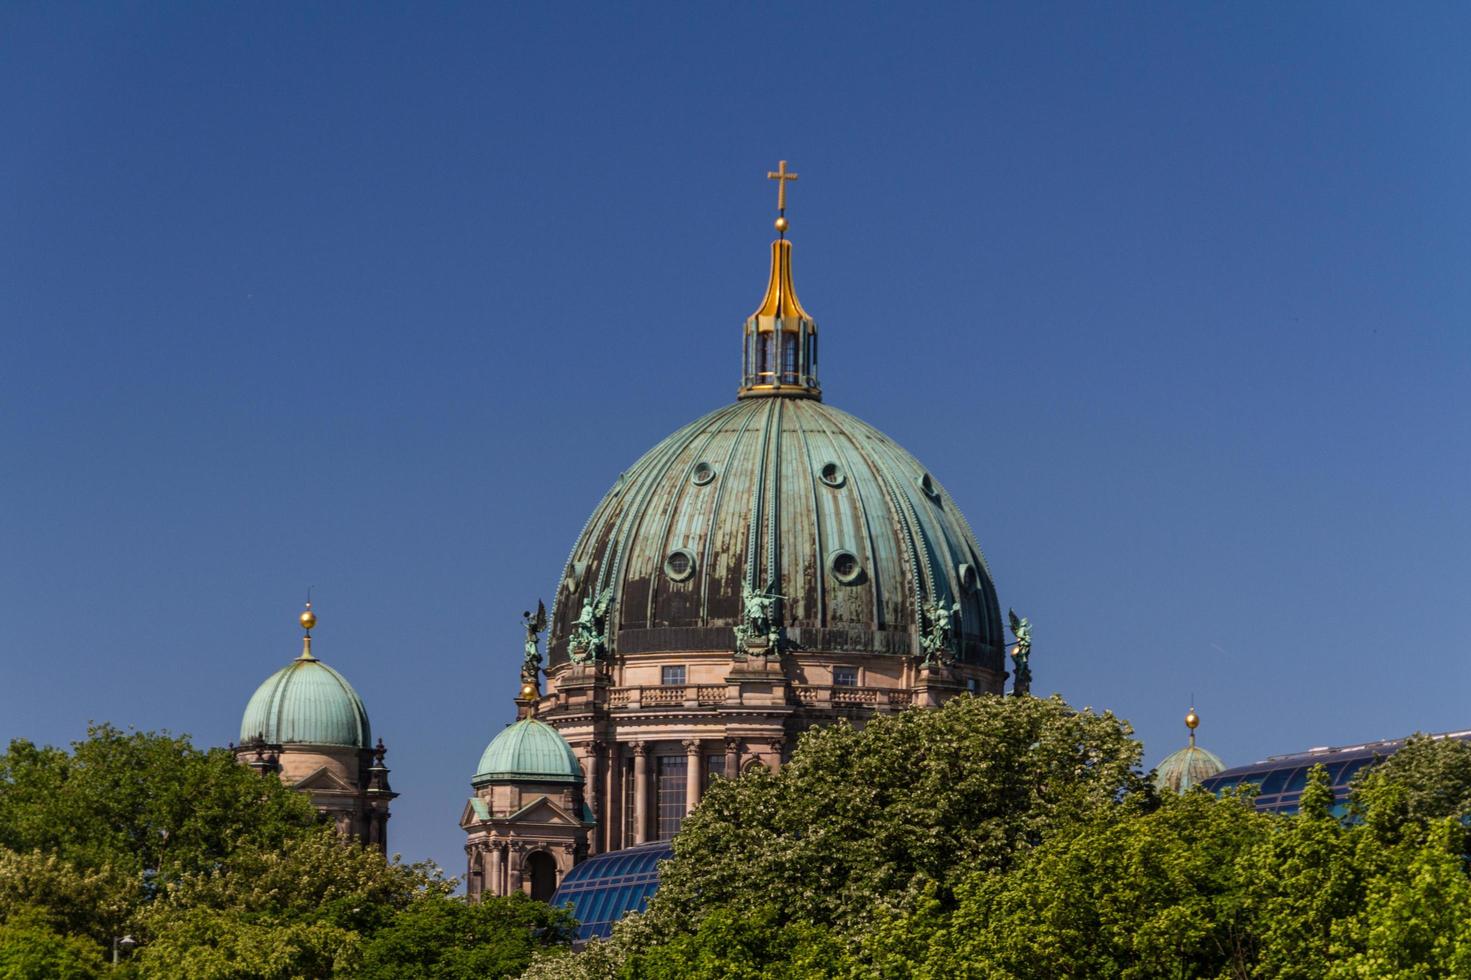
(33, 952)
(141, 803)
(443, 938)
(861, 818)
(914, 849)
(219, 874)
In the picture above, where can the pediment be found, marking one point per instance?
(324, 780)
(543, 810)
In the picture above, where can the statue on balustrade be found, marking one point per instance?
(589, 639)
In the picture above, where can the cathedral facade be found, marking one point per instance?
(774, 565)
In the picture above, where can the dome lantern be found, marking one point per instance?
(779, 352)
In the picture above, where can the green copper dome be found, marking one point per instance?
(529, 751)
(306, 701)
(1186, 768)
(789, 495)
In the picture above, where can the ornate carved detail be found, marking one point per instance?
(588, 640)
(759, 632)
(938, 639)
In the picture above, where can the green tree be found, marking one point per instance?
(746, 945)
(301, 911)
(445, 938)
(1134, 895)
(43, 890)
(33, 952)
(89, 837)
(1412, 922)
(1300, 883)
(1427, 780)
(860, 819)
(141, 802)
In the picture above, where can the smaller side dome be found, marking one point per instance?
(1186, 768)
(529, 751)
(307, 702)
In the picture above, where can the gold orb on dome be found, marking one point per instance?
(1192, 720)
(308, 619)
(528, 690)
(781, 224)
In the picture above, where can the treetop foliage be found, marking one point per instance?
(1015, 838)
(218, 873)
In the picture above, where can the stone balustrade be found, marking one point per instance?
(815, 695)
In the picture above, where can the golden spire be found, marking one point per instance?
(1192, 721)
(308, 620)
(779, 355)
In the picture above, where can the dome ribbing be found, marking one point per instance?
(791, 494)
(529, 751)
(306, 702)
(1186, 768)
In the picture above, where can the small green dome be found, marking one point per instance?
(307, 701)
(529, 751)
(1186, 768)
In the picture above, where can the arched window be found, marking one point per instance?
(541, 871)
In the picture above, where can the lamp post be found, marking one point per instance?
(120, 943)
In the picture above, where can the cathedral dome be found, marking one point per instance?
(529, 751)
(782, 515)
(306, 702)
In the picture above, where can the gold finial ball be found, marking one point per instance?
(1192, 720)
(528, 691)
(781, 224)
(308, 619)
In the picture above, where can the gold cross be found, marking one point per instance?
(781, 177)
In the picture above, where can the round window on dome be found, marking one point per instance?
(927, 484)
(969, 579)
(831, 474)
(680, 564)
(845, 567)
(702, 474)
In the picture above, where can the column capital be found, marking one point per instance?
(692, 746)
(732, 744)
(639, 748)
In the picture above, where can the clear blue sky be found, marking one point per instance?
(381, 298)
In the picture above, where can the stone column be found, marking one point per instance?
(640, 792)
(593, 794)
(474, 871)
(732, 758)
(775, 755)
(612, 825)
(513, 871)
(691, 774)
(493, 883)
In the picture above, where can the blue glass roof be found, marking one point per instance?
(606, 887)
(1282, 778)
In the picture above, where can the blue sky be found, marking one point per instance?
(381, 298)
